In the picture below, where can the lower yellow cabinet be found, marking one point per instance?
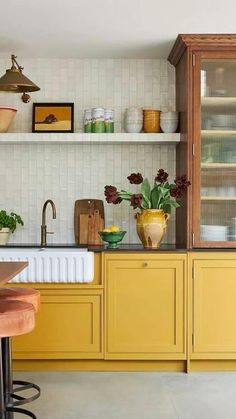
(68, 326)
(214, 306)
(145, 306)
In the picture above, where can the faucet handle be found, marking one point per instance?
(50, 232)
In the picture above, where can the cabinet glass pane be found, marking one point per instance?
(218, 150)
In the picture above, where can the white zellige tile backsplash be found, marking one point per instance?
(111, 83)
(30, 174)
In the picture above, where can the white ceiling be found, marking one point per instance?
(107, 28)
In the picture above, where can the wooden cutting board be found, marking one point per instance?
(88, 220)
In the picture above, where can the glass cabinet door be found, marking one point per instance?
(217, 183)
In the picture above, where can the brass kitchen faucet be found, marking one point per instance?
(44, 231)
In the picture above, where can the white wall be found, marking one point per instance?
(31, 174)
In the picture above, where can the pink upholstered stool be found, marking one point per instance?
(27, 295)
(16, 318)
(30, 296)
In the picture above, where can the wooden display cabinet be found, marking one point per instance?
(206, 99)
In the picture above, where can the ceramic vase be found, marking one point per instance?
(151, 226)
(4, 236)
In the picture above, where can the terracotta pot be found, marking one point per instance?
(4, 236)
(6, 117)
(151, 226)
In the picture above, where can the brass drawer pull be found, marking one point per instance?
(145, 264)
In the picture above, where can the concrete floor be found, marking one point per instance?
(150, 395)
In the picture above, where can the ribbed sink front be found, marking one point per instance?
(52, 265)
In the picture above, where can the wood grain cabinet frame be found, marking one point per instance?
(186, 56)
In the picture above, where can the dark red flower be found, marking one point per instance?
(135, 178)
(111, 195)
(176, 192)
(182, 182)
(181, 185)
(136, 200)
(161, 176)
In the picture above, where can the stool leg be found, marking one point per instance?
(2, 401)
(7, 373)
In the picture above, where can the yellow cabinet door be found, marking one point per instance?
(67, 327)
(214, 308)
(145, 306)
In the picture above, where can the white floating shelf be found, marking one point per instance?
(81, 138)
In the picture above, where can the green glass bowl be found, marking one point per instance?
(112, 238)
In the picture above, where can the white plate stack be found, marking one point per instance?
(214, 233)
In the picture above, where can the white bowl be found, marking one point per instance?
(133, 127)
(133, 120)
(134, 110)
(169, 115)
(169, 126)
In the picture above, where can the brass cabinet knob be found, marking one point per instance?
(145, 264)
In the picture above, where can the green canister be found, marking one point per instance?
(88, 120)
(109, 120)
(98, 124)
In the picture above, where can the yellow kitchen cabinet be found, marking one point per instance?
(213, 290)
(145, 306)
(69, 323)
(68, 326)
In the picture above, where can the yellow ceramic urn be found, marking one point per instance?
(151, 226)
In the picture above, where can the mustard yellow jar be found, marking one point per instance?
(151, 226)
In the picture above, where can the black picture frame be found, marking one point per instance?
(43, 126)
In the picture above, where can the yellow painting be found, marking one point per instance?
(53, 117)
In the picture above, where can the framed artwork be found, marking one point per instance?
(53, 117)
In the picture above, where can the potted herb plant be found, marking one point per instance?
(8, 224)
(155, 203)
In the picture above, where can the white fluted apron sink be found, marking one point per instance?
(65, 265)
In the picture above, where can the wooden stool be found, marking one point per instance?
(30, 296)
(16, 318)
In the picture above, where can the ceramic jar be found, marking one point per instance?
(109, 120)
(4, 236)
(88, 120)
(134, 120)
(151, 226)
(6, 117)
(98, 120)
(151, 120)
(169, 121)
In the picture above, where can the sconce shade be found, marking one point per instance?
(14, 80)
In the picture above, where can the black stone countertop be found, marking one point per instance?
(121, 248)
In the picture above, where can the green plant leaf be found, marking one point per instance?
(10, 220)
(146, 192)
(146, 189)
(145, 203)
(155, 195)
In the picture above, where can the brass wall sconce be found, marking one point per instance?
(14, 81)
